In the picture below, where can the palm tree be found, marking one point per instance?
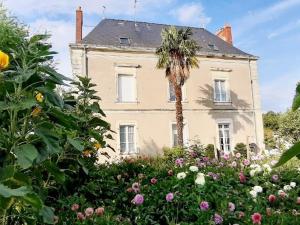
(177, 55)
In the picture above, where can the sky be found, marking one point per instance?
(269, 29)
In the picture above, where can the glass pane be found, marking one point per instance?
(126, 88)
(123, 147)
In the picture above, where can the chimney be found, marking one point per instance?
(225, 34)
(79, 22)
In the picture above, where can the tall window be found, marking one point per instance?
(220, 91)
(127, 139)
(175, 135)
(126, 88)
(172, 97)
(224, 136)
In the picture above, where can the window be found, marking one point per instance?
(224, 136)
(220, 91)
(175, 135)
(126, 88)
(172, 97)
(124, 41)
(127, 139)
(213, 47)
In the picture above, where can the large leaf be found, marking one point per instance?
(76, 144)
(26, 154)
(34, 200)
(7, 172)
(7, 192)
(62, 118)
(58, 175)
(96, 108)
(48, 215)
(51, 96)
(25, 104)
(288, 154)
(50, 139)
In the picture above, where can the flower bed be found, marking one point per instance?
(188, 190)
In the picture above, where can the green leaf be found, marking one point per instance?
(50, 139)
(7, 172)
(288, 154)
(34, 200)
(26, 154)
(7, 192)
(48, 215)
(58, 175)
(96, 108)
(76, 144)
(95, 122)
(62, 118)
(81, 162)
(296, 103)
(51, 96)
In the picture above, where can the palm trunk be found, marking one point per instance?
(179, 114)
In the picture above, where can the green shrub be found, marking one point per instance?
(173, 153)
(241, 148)
(210, 151)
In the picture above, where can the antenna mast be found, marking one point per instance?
(135, 2)
(103, 11)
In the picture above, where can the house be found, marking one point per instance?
(221, 99)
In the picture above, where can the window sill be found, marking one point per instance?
(128, 154)
(133, 102)
(222, 103)
(183, 101)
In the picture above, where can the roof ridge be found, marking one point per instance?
(163, 24)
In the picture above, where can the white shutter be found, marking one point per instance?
(126, 88)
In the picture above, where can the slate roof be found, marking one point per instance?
(148, 35)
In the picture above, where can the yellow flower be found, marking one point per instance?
(36, 111)
(4, 60)
(87, 153)
(39, 97)
(97, 145)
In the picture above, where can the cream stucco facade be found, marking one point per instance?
(152, 114)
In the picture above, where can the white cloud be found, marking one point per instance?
(284, 29)
(253, 19)
(191, 14)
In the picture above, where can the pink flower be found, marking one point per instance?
(256, 218)
(89, 212)
(153, 180)
(75, 207)
(218, 219)
(275, 177)
(231, 206)
(238, 155)
(170, 173)
(226, 156)
(179, 162)
(246, 162)
(205, 159)
(80, 216)
(272, 198)
(241, 214)
(298, 201)
(204, 206)
(136, 187)
(282, 194)
(242, 178)
(99, 211)
(170, 197)
(233, 164)
(138, 199)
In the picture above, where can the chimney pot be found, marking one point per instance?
(225, 33)
(79, 23)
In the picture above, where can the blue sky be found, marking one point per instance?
(269, 29)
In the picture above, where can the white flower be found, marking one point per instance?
(252, 173)
(267, 167)
(181, 175)
(200, 180)
(258, 189)
(293, 184)
(280, 192)
(287, 187)
(253, 193)
(194, 168)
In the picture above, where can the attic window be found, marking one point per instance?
(213, 47)
(124, 41)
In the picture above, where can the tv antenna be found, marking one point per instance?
(103, 11)
(135, 3)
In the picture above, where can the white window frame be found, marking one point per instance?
(127, 71)
(231, 139)
(136, 148)
(222, 76)
(185, 133)
(183, 88)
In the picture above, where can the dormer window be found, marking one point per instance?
(213, 47)
(124, 41)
